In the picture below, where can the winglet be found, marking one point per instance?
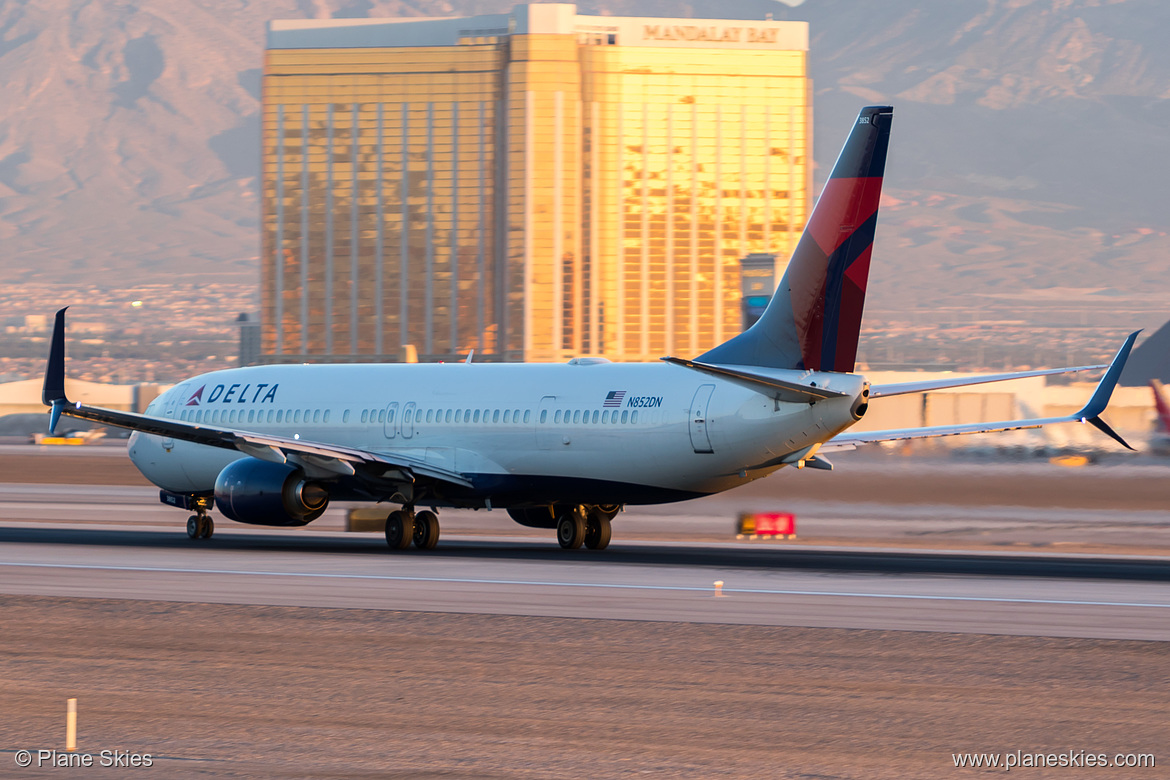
(53, 393)
(1091, 413)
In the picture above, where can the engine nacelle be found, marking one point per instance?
(258, 492)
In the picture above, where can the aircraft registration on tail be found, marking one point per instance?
(559, 446)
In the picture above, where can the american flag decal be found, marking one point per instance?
(614, 398)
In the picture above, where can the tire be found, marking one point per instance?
(571, 529)
(193, 527)
(399, 530)
(597, 531)
(426, 530)
(208, 528)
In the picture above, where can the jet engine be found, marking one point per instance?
(258, 492)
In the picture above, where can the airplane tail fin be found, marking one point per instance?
(1162, 406)
(814, 319)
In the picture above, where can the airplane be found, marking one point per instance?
(1160, 437)
(559, 446)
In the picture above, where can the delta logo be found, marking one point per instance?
(235, 394)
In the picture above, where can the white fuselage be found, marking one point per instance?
(629, 433)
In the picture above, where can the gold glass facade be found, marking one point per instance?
(533, 190)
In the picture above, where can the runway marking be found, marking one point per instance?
(605, 585)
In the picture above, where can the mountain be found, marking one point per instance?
(1029, 149)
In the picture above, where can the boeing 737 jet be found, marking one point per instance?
(559, 446)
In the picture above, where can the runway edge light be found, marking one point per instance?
(71, 725)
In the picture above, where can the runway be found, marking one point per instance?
(1037, 595)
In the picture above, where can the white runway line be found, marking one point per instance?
(599, 585)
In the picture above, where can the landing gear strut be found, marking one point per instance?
(200, 525)
(403, 526)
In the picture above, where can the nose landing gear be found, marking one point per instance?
(200, 526)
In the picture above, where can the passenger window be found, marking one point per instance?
(325, 417)
(381, 415)
(625, 416)
(430, 415)
(634, 417)
(280, 415)
(365, 414)
(467, 415)
(406, 417)
(477, 415)
(516, 416)
(487, 414)
(543, 415)
(577, 416)
(507, 415)
(390, 416)
(527, 415)
(447, 416)
(595, 413)
(605, 416)
(251, 415)
(345, 416)
(270, 415)
(316, 415)
(458, 415)
(297, 416)
(557, 416)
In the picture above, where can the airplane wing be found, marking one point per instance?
(332, 459)
(1090, 413)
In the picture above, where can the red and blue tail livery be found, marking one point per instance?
(814, 320)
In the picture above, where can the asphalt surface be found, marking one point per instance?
(1038, 595)
(899, 629)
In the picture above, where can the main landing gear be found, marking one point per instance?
(403, 527)
(577, 525)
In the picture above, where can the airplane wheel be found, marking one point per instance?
(426, 530)
(597, 531)
(571, 529)
(399, 530)
(609, 510)
(193, 527)
(208, 528)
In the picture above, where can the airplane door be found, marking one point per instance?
(408, 420)
(169, 411)
(700, 439)
(545, 436)
(390, 428)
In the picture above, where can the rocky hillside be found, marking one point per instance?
(1030, 146)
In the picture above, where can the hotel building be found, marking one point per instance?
(533, 185)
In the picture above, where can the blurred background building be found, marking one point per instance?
(532, 185)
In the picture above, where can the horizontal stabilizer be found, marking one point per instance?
(781, 389)
(1089, 414)
(925, 386)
